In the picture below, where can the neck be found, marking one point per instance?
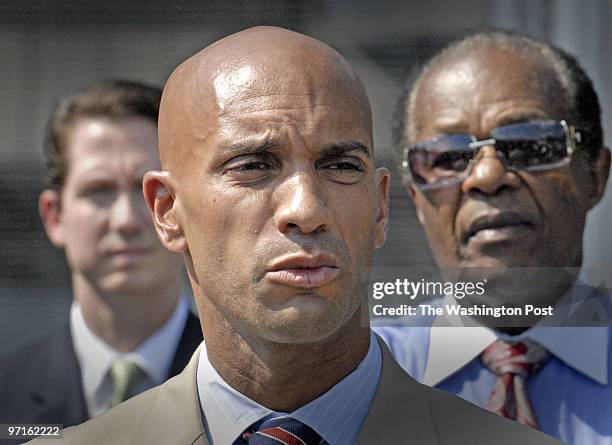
(125, 320)
(280, 376)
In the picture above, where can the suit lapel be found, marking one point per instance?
(400, 410)
(58, 394)
(177, 403)
(56, 389)
(189, 342)
(399, 413)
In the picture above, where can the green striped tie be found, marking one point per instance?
(125, 374)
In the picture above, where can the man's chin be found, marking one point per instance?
(512, 285)
(301, 321)
(122, 283)
(502, 260)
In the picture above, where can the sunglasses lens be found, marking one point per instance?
(537, 153)
(534, 144)
(440, 160)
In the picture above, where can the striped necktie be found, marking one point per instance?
(282, 431)
(513, 364)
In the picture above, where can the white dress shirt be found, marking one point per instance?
(154, 356)
(336, 416)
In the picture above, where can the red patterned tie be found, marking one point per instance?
(513, 364)
(282, 431)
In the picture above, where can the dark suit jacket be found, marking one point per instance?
(403, 412)
(42, 383)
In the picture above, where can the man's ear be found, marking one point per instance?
(159, 194)
(382, 218)
(600, 168)
(415, 196)
(50, 210)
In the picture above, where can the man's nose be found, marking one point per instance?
(301, 205)
(489, 174)
(127, 214)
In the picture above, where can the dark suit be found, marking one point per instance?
(42, 383)
(403, 412)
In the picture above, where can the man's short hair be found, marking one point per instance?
(112, 99)
(580, 96)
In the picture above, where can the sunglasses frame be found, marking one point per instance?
(573, 137)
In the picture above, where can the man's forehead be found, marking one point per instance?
(316, 116)
(227, 83)
(286, 99)
(494, 65)
(101, 136)
(285, 83)
(260, 57)
(486, 77)
(254, 101)
(251, 72)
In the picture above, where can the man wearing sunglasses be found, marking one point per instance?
(503, 157)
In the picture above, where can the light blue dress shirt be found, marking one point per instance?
(571, 393)
(336, 416)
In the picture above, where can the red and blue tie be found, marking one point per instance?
(282, 431)
(513, 364)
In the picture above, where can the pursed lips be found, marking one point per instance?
(303, 270)
(497, 222)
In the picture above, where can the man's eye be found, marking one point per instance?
(99, 190)
(100, 195)
(251, 166)
(249, 171)
(345, 165)
(344, 171)
(452, 161)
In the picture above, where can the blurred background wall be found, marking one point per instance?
(52, 48)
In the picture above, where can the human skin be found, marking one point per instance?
(125, 281)
(269, 190)
(519, 229)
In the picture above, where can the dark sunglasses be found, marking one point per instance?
(531, 145)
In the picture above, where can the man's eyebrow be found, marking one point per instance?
(343, 147)
(521, 117)
(251, 147)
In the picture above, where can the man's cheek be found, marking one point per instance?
(439, 228)
(558, 199)
(554, 185)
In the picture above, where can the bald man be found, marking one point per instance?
(269, 191)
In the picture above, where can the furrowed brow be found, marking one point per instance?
(345, 147)
(251, 147)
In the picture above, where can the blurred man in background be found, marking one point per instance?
(503, 156)
(129, 328)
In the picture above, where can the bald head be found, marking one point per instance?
(227, 76)
(266, 146)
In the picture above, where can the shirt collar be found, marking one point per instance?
(451, 348)
(154, 355)
(228, 413)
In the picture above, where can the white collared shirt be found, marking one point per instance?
(154, 356)
(336, 416)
